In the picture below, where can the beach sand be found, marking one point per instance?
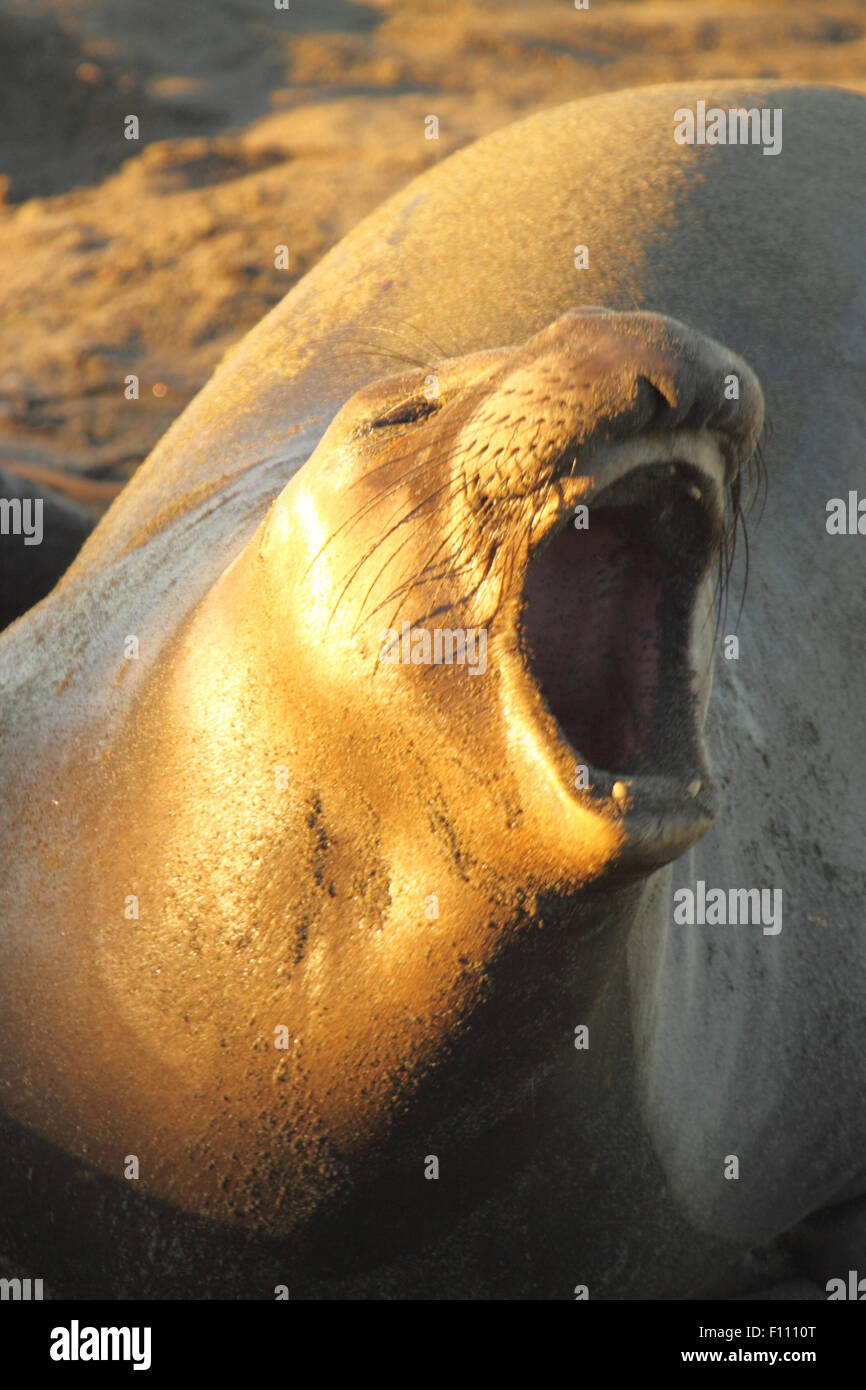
(262, 127)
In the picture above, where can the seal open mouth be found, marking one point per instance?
(607, 619)
(607, 633)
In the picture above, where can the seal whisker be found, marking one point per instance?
(437, 611)
(453, 604)
(440, 351)
(454, 573)
(409, 584)
(392, 556)
(368, 506)
(403, 520)
(404, 589)
(392, 355)
(434, 461)
(538, 511)
(741, 507)
(493, 552)
(338, 339)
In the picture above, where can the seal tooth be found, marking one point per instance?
(694, 491)
(619, 791)
(694, 787)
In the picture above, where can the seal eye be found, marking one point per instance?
(406, 413)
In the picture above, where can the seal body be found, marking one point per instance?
(342, 921)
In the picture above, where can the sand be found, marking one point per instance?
(261, 128)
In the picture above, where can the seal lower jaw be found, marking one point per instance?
(662, 818)
(615, 636)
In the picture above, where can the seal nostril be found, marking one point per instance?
(655, 407)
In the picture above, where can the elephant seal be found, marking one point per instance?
(378, 998)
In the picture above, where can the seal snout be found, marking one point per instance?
(644, 371)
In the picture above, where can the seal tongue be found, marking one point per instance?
(593, 626)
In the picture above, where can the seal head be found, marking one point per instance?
(563, 502)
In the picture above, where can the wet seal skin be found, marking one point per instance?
(372, 966)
